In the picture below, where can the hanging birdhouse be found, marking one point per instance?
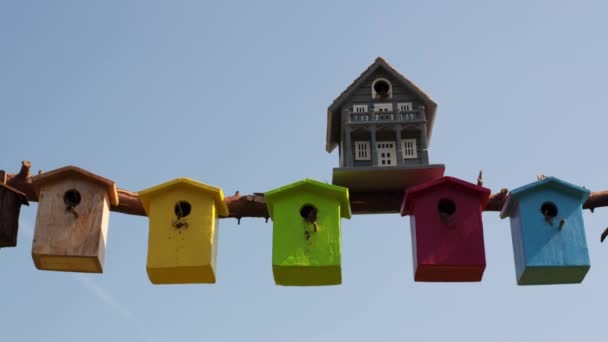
(10, 204)
(182, 242)
(447, 230)
(72, 220)
(548, 233)
(306, 232)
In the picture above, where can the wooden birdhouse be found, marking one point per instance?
(306, 232)
(447, 230)
(72, 220)
(382, 124)
(10, 204)
(548, 233)
(182, 241)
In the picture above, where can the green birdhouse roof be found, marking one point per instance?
(340, 194)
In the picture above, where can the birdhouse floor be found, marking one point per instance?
(449, 273)
(392, 178)
(548, 275)
(64, 263)
(182, 275)
(307, 275)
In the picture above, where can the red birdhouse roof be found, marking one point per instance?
(411, 193)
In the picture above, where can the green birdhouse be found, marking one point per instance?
(306, 232)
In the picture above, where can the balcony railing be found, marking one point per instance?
(416, 114)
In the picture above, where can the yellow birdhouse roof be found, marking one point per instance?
(147, 195)
(73, 171)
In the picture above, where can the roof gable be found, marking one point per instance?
(339, 193)
(148, 194)
(333, 115)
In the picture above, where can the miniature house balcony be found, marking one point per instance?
(398, 116)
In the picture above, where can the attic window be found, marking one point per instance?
(381, 89)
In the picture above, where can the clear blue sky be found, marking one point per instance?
(235, 95)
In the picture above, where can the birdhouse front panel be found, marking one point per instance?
(447, 230)
(182, 243)
(10, 206)
(303, 254)
(71, 226)
(549, 241)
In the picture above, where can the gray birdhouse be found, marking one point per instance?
(382, 127)
(10, 204)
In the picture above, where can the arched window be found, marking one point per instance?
(382, 89)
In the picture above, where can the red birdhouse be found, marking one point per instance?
(447, 231)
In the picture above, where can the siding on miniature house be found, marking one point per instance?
(364, 92)
(387, 133)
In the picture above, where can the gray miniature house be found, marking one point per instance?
(382, 126)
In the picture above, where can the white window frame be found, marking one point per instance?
(360, 108)
(362, 150)
(383, 107)
(390, 88)
(413, 150)
(405, 106)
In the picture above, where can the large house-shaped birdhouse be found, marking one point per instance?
(10, 204)
(182, 242)
(447, 230)
(72, 220)
(306, 232)
(548, 233)
(382, 126)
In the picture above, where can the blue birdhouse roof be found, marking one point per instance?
(575, 191)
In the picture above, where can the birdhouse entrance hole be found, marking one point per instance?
(309, 212)
(182, 209)
(549, 210)
(71, 198)
(382, 88)
(446, 207)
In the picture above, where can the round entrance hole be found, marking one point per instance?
(549, 210)
(309, 212)
(382, 88)
(182, 209)
(71, 198)
(446, 207)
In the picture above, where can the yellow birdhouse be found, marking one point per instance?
(182, 242)
(72, 220)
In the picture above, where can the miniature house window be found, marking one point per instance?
(382, 89)
(362, 150)
(405, 107)
(409, 148)
(360, 108)
(383, 107)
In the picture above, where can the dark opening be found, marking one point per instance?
(182, 209)
(549, 210)
(71, 198)
(309, 213)
(382, 88)
(446, 207)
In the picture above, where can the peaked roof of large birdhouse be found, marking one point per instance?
(575, 191)
(21, 195)
(413, 192)
(339, 193)
(62, 173)
(333, 114)
(146, 195)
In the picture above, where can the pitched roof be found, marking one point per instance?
(147, 194)
(22, 196)
(411, 193)
(333, 116)
(549, 182)
(74, 171)
(337, 192)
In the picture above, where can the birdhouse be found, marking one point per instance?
(306, 232)
(182, 241)
(447, 230)
(10, 204)
(382, 124)
(72, 221)
(548, 233)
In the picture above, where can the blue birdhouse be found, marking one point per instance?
(548, 232)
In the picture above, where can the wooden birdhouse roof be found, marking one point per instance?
(60, 174)
(218, 195)
(408, 200)
(575, 191)
(333, 114)
(339, 193)
(21, 195)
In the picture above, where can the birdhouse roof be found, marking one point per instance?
(339, 193)
(22, 196)
(60, 174)
(333, 114)
(411, 193)
(575, 191)
(218, 195)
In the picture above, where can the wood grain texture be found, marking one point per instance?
(10, 205)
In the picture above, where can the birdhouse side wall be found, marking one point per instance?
(10, 206)
(71, 239)
(290, 230)
(518, 242)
